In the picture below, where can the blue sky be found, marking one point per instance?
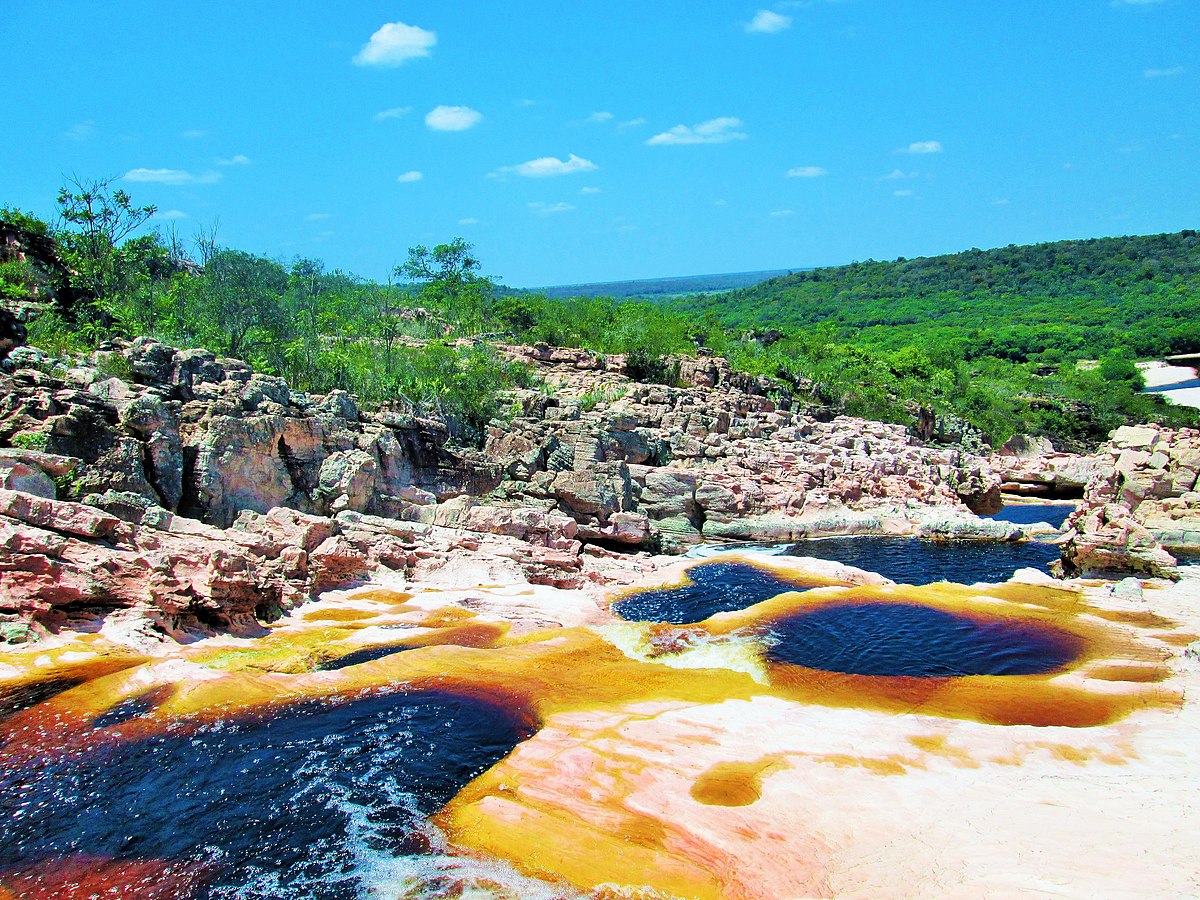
(594, 141)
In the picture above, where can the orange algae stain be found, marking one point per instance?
(85, 878)
(1177, 638)
(939, 745)
(1137, 674)
(339, 615)
(382, 595)
(445, 616)
(733, 783)
(888, 765)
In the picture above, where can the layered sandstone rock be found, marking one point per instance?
(1141, 501)
(71, 564)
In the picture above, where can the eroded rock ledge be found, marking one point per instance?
(216, 496)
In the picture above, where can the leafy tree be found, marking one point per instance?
(96, 219)
(448, 278)
(243, 296)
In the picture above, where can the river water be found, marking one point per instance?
(332, 798)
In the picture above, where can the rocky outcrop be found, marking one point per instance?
(1031, 467)
(633, 461)
(1141, 502)
(207, 438)
(64, 563)
(1107, 540)
(224, 495)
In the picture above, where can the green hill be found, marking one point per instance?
(1068, 298)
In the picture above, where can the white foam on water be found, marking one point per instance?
(737, 652)
(706, 551)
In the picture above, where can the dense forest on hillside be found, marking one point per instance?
(990, 339)
(1046, 301)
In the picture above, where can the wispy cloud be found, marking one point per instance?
(714, 131)
(1169, 72)
(410, 177)
(921, 147)
(782, 213)
(548, 167)
(394, 112)
(599, 118)
(631, 123)
(318, 217)
(897, 175)
(170, 176)
(807, 172)
(549, 209)
(81, 131)
(469, 220)
(236, 160)
(193, 134)
(167, 215)
(767, 22)
(395, 44)
(452, 118)
(903, 193)
(589, 190)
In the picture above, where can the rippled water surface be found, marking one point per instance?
(905, 639)
(302, 802)
(716, 587)
(913, 561)
(1054, 514)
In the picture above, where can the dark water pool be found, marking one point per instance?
(905, 639)
(717, 587)
(358, 657)
(913, 561)
(1053, 514)
(283, 805)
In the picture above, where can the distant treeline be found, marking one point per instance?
(658, 287)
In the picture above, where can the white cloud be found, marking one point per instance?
(631, 123)
(394, 44)
(898, 175)
(549, 209)
(920, 147)
(410, 177)
(452, 118)
(166, 215)
(600, 117)
(806, 172)
(767, 22)
(193, 134)
(394, 113)
(904, 193)
(1169, 72)
(170, 176)
(714, 131)
(525, 102)
(237, 160)
(81, 131)
(468, 221)
(589, 190)
(549, 166)
(780, 213)
(1003, 201)
(317, 217)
